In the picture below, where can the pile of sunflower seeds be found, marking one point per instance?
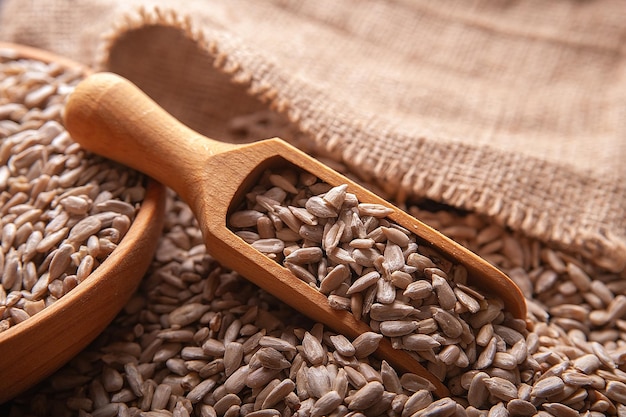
(198, 340)
(375, 268)
(62, 212)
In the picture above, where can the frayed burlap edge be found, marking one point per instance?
(571, 210)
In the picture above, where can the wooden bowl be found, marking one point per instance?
(35, 348)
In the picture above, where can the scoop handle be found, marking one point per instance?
(110, 116)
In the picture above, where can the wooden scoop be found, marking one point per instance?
(108, 115)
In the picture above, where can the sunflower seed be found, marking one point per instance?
(233, 357)
(397, 328)
(334, 278)
(374, 210)
(418, 290)
(547, 387)
(226, 402)
(318, 381)
(278, 393)
(366, 343)
(501, 388)
(447, 298)
(270, 245)
(616, 391)
(449, 324)
(319, 207)
(272, 358)
(559, 410)
(326, 404)
(363, 282)
(305, 255)
(366, 396)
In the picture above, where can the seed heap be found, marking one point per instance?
(153, 361)
(175, 333)
(200, 340)
(367, 264)
(577, 348)
(62, 211)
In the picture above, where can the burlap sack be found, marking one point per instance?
(511, 109)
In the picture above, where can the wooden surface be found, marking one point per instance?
(32, 350)
(110, 116)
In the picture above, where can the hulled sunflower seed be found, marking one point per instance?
(270, 245)
(547, 387)
(326, 404)
(366, 396)
(501, 388)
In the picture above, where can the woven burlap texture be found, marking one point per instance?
(510, 109)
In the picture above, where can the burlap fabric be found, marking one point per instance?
(511, 109)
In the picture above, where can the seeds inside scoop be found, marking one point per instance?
(367, 264)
